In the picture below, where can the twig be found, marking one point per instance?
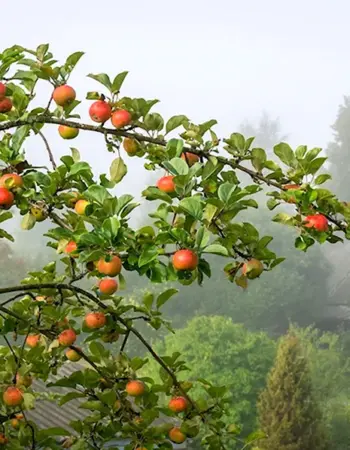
(51, 157)
(125, 341)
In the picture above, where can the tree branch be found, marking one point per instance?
(51, 157)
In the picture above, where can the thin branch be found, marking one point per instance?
(59, 221)
(51, 157)
(125, 341)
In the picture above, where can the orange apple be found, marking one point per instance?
(63, 95)
(190, 158)
(2, 91)
(130, 146)
(73, 355)
(6, 198)
(121, 118)
(100, 111)
(166, 184)
(110, 268)
(185, 260)
(108, 286)
(178, 404)
(81, 206)
(252, 268)
(176, 435)
(12, 396)
(5, 105)
(67, 337)
(11, 180)
(135, 388)
(33, 340)
(95, 320)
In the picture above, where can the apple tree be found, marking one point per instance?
(196, 204)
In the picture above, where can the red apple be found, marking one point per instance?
(177, 436)
(135, 388)
(190, 158)
(67, 337)
(252, 268)
(12, 396)
(166, 184)
(5, 105)
(11, 180)
(111, 268)
(2, 91)
(63, 95)
(3, 439)
(178, 404)
(100, 111)
(317, 221)
(121, 118)
(95, 320)
(6, 198)
(185, 260)
(71, 248)
(68, 132)
(108, 286)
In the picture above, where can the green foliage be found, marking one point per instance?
(288, 411)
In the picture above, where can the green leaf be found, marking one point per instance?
(165, 296)
(153, 193)
(111, 226)
(73, 60)
(154, 122)
(255, 436)
(311, 154)
(103, 79)
(75, 154)
(193, 206)
(6, 215)
(118, 170)
(148, 300)
(283, 218)
(285, 153)
(315, 165)
(217, 249)
(41, 51)
(174, 148)
(149, 253)
(202, 237)
(272, 203)
(320, 179)
(79, 167)
(71, 396)
(19, 137)
(28, 222)
(176, 166)
(54, 431)
(97, 193)
(258, 158)
(93, 95)
(300, 151)
(238, 141)
(118, 81)
(225, 192)
(175, 122)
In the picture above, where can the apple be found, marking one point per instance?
(108, 286)
(141, 448)
(95, 320)
(121, 118)
(33, 340)
(68, 132)
(5, 105)
(11, 180)
(317, 221)
(111, 268)
(176, 435)
(73, 355)
(130, 146)
(3, 439)
(190, 158)
(24, 380)
(135, 388)
(14, 423)
(2, 91)
(291, 187)
(63, 95)
(12, 396)
(71, 248)
(81, 206)
(39, 213)
(166, 184)
(6, 198)
(252, 268)
(67, 337)
(185, 260)
(100, 111)
(178, 404)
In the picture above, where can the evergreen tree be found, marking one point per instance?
(288, 411)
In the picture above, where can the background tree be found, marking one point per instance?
(288, 411)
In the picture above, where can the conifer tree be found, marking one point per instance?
(288, 411)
